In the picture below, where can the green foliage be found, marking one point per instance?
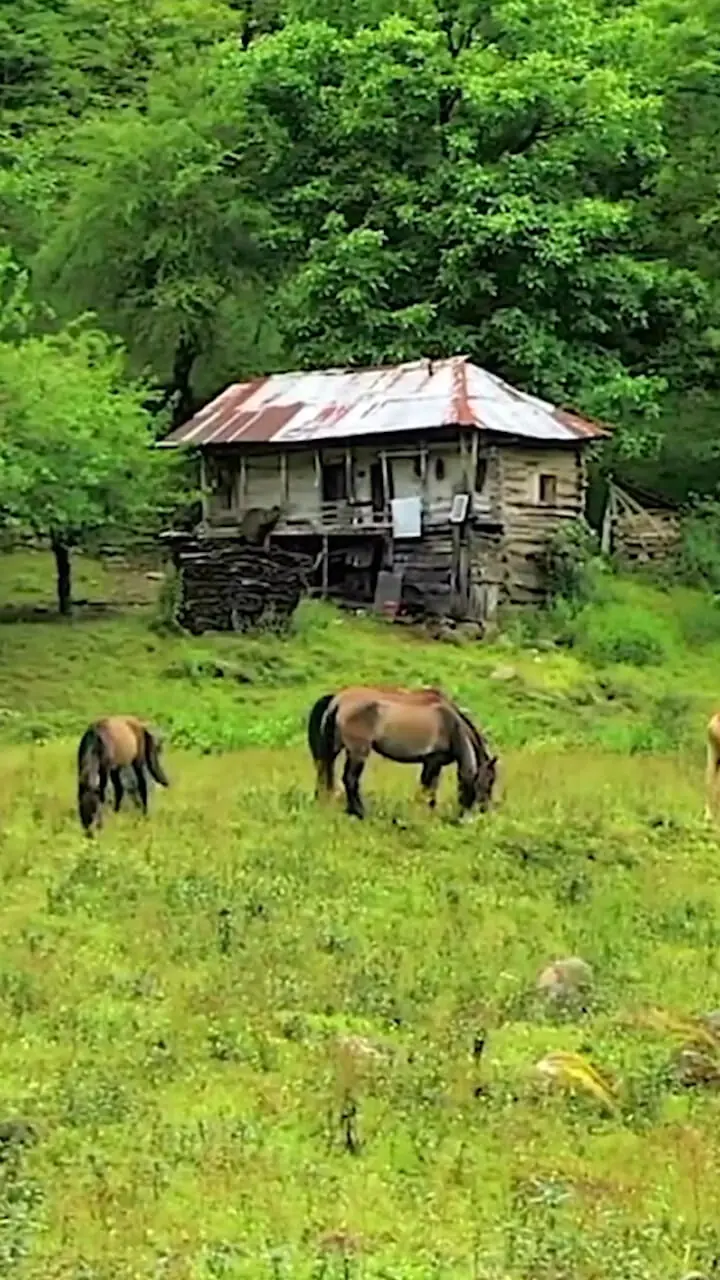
(169, 601)
(697, 560)
(74, 446)
(370, 182)
(163, 282)
(571, 563)
(617, 632)
(75, 436)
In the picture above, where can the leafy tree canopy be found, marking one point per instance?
(74, 438)
(235, 188)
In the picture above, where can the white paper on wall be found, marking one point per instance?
(407, 517)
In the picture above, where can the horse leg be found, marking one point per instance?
(325, 782)
(102, 788)
(142, 785)
(711, 772)
(117, 787)
(430, 779)
(352, 773)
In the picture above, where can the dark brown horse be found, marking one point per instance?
(107, 748)
(411, 726)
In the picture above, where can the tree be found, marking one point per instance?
(158, 235)
(436, 192)
(75, 437)
(61, 59)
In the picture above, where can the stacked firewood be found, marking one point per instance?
(233, 586)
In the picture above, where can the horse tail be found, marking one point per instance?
(152, 756)
(92, 754)
(314, 728)
(325, 750)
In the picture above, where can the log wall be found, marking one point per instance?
(528, 521)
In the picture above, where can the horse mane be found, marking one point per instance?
(475, 734)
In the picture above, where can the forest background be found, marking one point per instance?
(197, 191)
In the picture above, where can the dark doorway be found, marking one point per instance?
(378, 495)
(334, 482)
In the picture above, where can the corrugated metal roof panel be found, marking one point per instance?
(338, 404)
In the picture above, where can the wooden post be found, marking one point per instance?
(203, 489)
(243, 479)
(474, 444)
(463, 459)
(386, 479)
(349, 475)
(325, 566)
(607, 522)
(284, 482)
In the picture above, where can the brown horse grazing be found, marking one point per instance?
(106, 748)
(712, 768)
(410, 726)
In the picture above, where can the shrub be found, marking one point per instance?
(619, 632)
(168, 603)
(571, 563)
(697, 559)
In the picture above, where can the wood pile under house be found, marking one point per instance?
(229, 586)
(429, 485)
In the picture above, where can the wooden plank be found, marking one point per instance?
(388, 592)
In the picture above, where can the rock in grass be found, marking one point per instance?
(503, 673)
(565, 981)
(693, 1068)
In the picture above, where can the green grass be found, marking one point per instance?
(174, 996)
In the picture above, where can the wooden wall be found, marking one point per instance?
(528, 522)
(527, 491)
(262, 480)
(648, 538)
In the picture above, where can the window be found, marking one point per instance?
(439, 468)
(480, 474)
(334, 482)
(547, 489)
(417, 466)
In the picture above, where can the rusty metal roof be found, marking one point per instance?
(336, 404)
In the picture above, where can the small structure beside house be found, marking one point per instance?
(434, 481)
(639, 527)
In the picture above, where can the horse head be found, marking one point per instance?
(89, 805)
(477, 784)
(484, 782)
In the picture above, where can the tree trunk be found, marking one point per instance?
(186, 354)
(61, 551)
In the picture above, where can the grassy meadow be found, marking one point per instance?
(242, 1032)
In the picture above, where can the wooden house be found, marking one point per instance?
(436, 471)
